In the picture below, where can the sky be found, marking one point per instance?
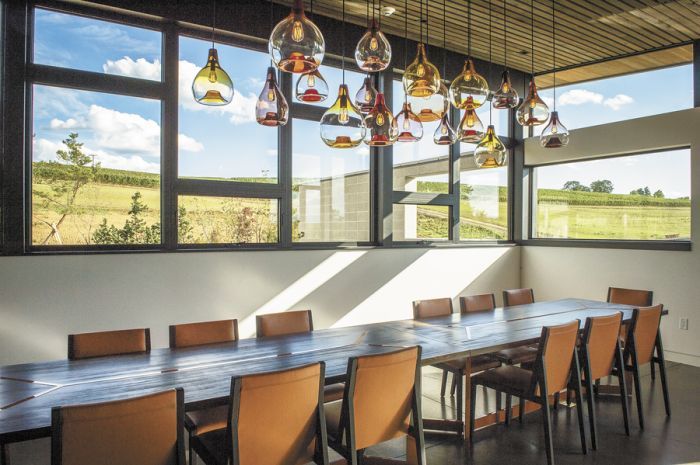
(124, 132)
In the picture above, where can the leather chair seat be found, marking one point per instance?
(508, 378)
(479, 363)
(517, 355)
(333, 392)
(209, 447)
(332, 411)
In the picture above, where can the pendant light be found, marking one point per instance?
(490, 152)
(271, 109)
(296, 44)
(444, 134)
(533, 111)
(342, 126)
(311, 87)
(506, 96)
(409, 126)
(382, 129)
(471, 129)
(421, 78)
(373, 51)
(469, 83)
(555, 134)
(212, 86)
(366, 96)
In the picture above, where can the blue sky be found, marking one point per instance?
(123, 132)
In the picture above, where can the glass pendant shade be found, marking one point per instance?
(533, 111)
(382, 129)
(410, 127)
(212, 85)
(490, 152)
(296, 45)
(342, 125)
(421, 78)
(311, 87)
(444, 134)
(366, 96)
(431, 108)
(471, 129)
(555, 134)
(271, 109)
(373, 51)
(469, 83)
(506, 96)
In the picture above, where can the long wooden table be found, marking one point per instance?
(29, 391)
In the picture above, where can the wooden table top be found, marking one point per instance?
(29, 391)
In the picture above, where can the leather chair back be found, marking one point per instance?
(644, 329)
(432, 308)
(557, 352)
(636, 297)
(208, 332)
(145, 430)
(600, 336)
(283, 323)
(513, 297)
(477, 303)
(101, 344)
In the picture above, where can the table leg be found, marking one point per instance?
(467, 399)
(4, 455)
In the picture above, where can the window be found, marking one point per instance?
(421, 222)
(634, 197)
(483, 202)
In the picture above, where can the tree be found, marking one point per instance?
(602, 185)
(659, 194)
(642, 191)
(575, 186)
(64, 189)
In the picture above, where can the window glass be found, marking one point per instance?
(225, 142)
(87, 44)
(334, 77)
(227, 220)
(95, 168)
(623, 97)
(484, 204)
(421, 222)
(330, 193)
(638, 197)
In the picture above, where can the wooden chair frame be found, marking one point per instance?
(505, 296)
(71, 347)
(258, 322)
(172, 333)
(648, 303)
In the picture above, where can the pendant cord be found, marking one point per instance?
(490, 60)
(420, 22)
(213, 24)
(532, 37)
(444, 38)
(554, 57)
(469, 29)
(505, 35)
(405, 42)
(379, 13)
(342, 58)
(367, 14)
(311, 12)
(427, 24)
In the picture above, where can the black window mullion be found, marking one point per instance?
(455, 186)
(284, 159)
(383, 211)
(169, 138)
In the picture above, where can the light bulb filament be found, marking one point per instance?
(406, 123)
(311, 80)
(343, 116)
(373, 44)
(297, 31)
(271, 95)
(380, 120)
(420, 70)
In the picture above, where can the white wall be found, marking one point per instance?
(674, 277)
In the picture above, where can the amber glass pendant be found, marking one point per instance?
(410, 127)
(212, 86)
(373, 51)
(311, 87)
(469, 83)
(490, 152)
(506, 96)
(555, 134)
(366, 97)
(271, 108)
(342, 125)
(421, 78)
(471, 129)
(296, 44)
(381, 125)
(429, 109)
(444, 134)
(533, 111)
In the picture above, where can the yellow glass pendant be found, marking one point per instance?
(271, 109)
(296, 44)
(471, 129)
(382, 129)
(490, 152)
(555, 134)
(469, 83)
(444, 134)
(366, 96)
(212, 86)
(421, 78)
(342, 125)
(311, 87)
(410, 127)
(533, 111)
(431, 108)
(373, 51)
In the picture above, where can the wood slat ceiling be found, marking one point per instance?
(588, 31)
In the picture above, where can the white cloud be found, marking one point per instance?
(70, 123)
(579, 97)
(189, 144)
(141, 68)
(618, 101)
(124, 132)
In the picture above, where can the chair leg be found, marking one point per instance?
(4, 455)
(591, 410)
(192, 456)
(556, 402)
(472, 413)
(581, 421)
(498, 406)
(453, 386)
(509, 400)
(662, 372)
(638, 391)
(547, 422)
(460, 398)
(653, 371)
(623, 386)
(443, 386)
(521, 410)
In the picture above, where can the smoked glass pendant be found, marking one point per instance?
(212, 86)
(342, 125)
(506, 96)
(555, 134)
(366, 96)
(533, 111)
(311, 87)
(271, 108)
(373, 51)
(296, 44)
(410, 127)
(471, 129)
(381, 125)
(444, 134)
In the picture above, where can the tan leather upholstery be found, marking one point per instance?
(382, 396)
(477, 303)
(101, 344)
(636, 297)
(479, 363)
(558, 352)
(203, 421)
(645, 326)
(513, 297)
(333, 392)
(208, 332)
(140, 431)
(600, 336)
(280, 324)
(432, 308)
(510, 379)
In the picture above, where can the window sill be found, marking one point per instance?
(683, 246)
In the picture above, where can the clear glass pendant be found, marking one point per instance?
(271, 108)
(410, 127)
(342, 125)
(212, 86)
(311, 87)
(296, 44)
(533, 111)
(421, 78)
(506, 96)
(381, 125)
(555, 134)
(490, 152)
(469, 83)
(366, 96)
(471, 129)
(373, 51)
(431, 108)
(444, 134)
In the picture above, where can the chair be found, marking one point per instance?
(105, 343)
(294, 322)
(513, 297)
(197, 334)
(521, 354)
(382, 402)
(144, 430)
(643, 339)
(556, 367)
(275, 418)
(601, 355)
(635, 297)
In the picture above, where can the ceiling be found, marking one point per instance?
(588, 31)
